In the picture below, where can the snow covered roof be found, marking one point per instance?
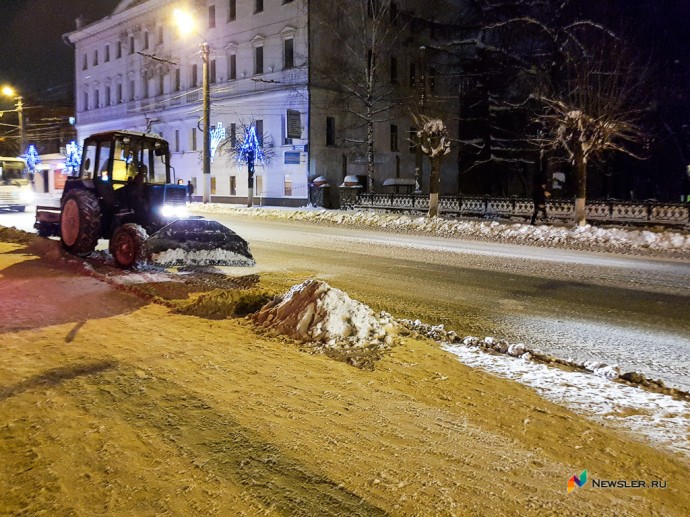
(127, 4)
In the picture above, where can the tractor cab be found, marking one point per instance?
(131, 173)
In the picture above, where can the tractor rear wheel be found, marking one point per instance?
(127, 245)
(80, 222)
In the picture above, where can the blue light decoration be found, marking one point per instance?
(32, 158)
(249, 150)
(217, 136)
(73, 153)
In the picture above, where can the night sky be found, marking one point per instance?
(33, 57)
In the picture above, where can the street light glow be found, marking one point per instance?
(9, 91)
(184, 21)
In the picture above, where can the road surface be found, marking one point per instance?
(629, 311)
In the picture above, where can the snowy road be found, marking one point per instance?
(620, 310)
(617, 309)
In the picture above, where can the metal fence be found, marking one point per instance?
(636, 212)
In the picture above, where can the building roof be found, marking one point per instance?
(127, 4)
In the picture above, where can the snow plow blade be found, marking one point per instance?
(198, 242)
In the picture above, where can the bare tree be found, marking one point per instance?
(434, 143)
(596, 108)
(355, 67)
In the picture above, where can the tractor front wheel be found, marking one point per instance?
(127, 245)
(80, 222)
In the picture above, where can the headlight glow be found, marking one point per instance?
(26, 196)
(169, 211)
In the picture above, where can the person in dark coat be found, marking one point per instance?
(539, 196)
(190, 190)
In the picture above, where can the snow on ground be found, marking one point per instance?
(315, 312)
(610, 239)
(658, 417)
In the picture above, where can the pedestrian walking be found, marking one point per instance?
(190, 190)
(539, 196)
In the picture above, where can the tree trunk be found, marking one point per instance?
(581, 196)
(250, 182)
(370, 151)
(434, 181)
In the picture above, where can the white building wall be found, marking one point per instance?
(142, 69)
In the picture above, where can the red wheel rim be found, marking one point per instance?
(69, 222)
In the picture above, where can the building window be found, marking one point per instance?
(213, 184)
(258, 60)
(161, 84)
(86, 101)
(413, 75)
(118, 50)
(258, 6)
(107, 54)
(211, 16)
(233, 185)
(95, 57)
(131, 44)
(233, 135)
(119, 93)
(394, 69)
(145, 93)
(178, 81)
(193, 139)
(232, 67)
(259, 125)
(107, 95)
(288, 185)
(146, 40)
(160, 35)
(432, 79)
(412, 137)
(132, 89)
(85, 62)
(330, 131)
(194, 78)
(232, 10)
(177, 140)
(394, 138)
(288, 54)
(212, 71)
(96, 99)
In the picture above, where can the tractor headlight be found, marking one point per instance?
(26, 196)
(170, 211)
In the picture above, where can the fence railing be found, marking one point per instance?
(641, 212)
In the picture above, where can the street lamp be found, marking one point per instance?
(8, 91)
(185, 23)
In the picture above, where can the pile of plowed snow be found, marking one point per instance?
(328, 320)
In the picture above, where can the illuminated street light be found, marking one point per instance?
(185, 23)
(8, 91)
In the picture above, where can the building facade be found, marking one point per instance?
(273, 64)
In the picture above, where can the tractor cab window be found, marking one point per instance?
(88, 163)
(104, 158)
(124, 166)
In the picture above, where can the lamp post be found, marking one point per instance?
(185, 23)
(9, 92)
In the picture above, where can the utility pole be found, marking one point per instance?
(205, 51)
(20, 118)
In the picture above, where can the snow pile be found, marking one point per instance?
(330, 321)
(213, 257)
(580, 237)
